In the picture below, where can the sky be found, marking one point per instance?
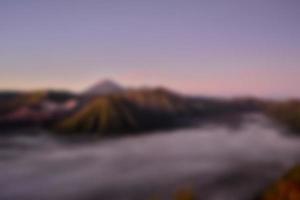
(201, 47)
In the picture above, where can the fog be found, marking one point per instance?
(215, 160)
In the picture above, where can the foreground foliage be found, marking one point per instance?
(286, 188)
(185, 193)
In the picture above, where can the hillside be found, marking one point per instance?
(145, 109)
(130, 111)
(159, 99)
(29, 108)
(286, 113)
(286, 188)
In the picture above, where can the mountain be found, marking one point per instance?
(108, 109)
(160, 100)
(103, 88)
(134, 111)
(130, 111)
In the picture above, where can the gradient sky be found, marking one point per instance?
(212, 47)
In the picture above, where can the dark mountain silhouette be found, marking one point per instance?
(28, 108)
(103, 88)
(108, 108)
(286, 113)
(10, 101)
(144, 109)
(130, 111)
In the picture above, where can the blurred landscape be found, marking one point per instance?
(108, 109)
(149, 100)
(114, 142)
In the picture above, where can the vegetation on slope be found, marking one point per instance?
(183, 193)
(127, 112)
(140, 110)
(286, 188)
(118, 113)
(104, 114)
(286, 113)
(159, 99)
(10, 101)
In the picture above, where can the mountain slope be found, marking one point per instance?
(159, 99)
(128, 112)
(11, 101)
(286, 113)
(286, 188)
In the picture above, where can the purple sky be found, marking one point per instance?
(213, 47)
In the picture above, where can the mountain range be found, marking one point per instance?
(106, 108)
